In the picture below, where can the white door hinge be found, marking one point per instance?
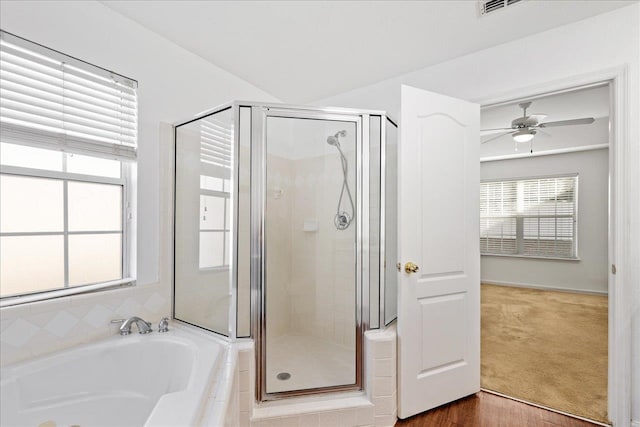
(613, 269)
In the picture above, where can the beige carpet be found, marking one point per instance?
(546, 347)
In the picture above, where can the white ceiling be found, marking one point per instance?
(301, 51)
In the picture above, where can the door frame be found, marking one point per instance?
(259, 115)
(623, 169)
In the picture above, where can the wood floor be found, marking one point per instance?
(488, 410)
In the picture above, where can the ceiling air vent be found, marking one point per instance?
(493, 5)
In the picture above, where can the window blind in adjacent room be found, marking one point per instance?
(534, 217)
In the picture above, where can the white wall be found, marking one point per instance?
(173, 85)
(592, 45)
(591, 271)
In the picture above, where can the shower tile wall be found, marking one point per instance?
(323, 288)
(309, 294)
(279, 202)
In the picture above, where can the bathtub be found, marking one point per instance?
(158, 379)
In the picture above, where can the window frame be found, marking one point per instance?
(226, 229)
(127, 241)
(80, 108)
(215, 164)
(520, 238)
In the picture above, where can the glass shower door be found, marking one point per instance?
(204, 220)
(310, 252)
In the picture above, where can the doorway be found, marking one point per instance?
(545, 172)
(419, 109)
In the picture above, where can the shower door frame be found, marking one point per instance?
(259, 115)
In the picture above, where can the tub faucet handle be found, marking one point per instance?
(125, 331)
(163, 326)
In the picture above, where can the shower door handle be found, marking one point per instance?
(411, 268)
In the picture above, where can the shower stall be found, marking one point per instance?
(285, 233)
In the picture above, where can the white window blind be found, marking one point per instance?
(216, 141)
(216, 153)
(50, 100)
(529, 217)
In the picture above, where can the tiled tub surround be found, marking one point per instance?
(233, 395)
(229, 396)
(228, 389)
(153, 380)
(36, 329)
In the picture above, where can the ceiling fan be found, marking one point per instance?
(524, 128)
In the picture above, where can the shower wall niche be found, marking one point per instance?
(285, 225)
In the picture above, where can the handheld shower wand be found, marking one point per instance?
(342, 219)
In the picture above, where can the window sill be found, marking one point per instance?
(58, 293)
(532, 257)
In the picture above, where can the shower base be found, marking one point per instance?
(312, 363)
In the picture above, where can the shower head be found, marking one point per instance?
(333, 139)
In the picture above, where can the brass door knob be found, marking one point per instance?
(411, 268)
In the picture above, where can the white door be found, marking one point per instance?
(439, 304)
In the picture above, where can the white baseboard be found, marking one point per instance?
(543, 287)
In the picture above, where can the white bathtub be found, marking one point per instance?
(159, 379)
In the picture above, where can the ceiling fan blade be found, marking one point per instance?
(538, 117)
(496, 129)
(495, 137)
(585, 121)
(543, 133)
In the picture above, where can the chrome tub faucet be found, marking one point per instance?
(125, 329)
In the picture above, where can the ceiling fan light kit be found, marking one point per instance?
(524, 135)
